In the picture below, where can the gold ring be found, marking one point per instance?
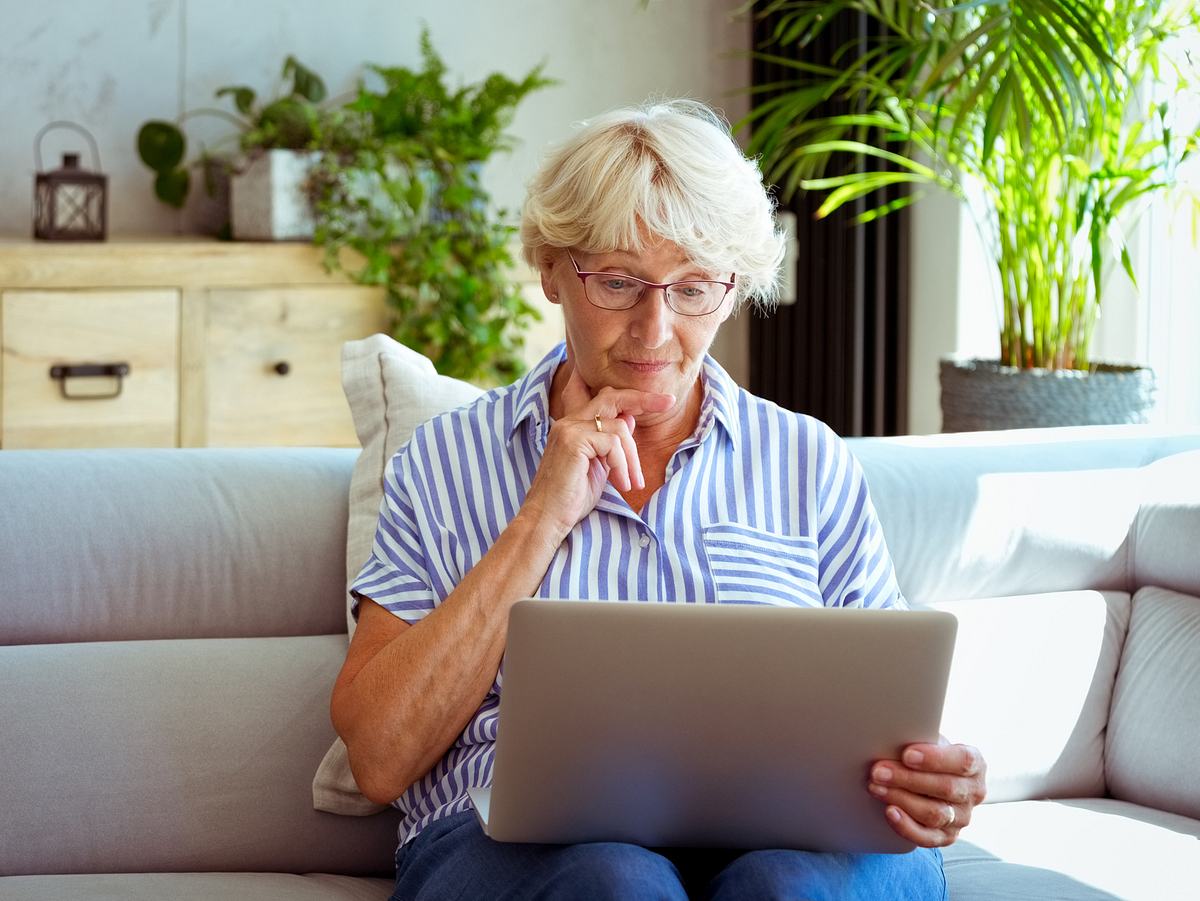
(599, 425)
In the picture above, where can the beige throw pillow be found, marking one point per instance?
(391, 389)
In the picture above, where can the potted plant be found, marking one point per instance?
(267, 172)
(398, 182)
(392, 175)
(1040, 117)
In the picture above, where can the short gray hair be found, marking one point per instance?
(672, 166)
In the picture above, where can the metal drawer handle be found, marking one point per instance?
(116, 371)
(282, 367)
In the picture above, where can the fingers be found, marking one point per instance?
(954, 773)
(620, 453)
(617, 401)
(923, 836)
(959, 760)
(624, 426)
(930, 792)
(617, 458)
(931, 813)
(612, 449)
(616, 409)
(945, 787)
(580, 402)
(610, 452)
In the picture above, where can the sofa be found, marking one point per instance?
(171, 623)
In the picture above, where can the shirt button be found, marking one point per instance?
(644, 541)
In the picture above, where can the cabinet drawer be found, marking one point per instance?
(44, 329)
(272, 363)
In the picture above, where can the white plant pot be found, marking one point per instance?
(268, 201)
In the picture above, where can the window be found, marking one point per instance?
(1170, 280)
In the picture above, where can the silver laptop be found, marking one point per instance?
(708, 725)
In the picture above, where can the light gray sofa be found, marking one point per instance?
(172, 621)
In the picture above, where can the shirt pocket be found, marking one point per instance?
(751, 566)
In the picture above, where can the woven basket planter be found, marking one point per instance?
(980, 395)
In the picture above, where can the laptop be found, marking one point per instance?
(709, 725)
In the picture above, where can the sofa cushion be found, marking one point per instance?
(1154, 728)
(1007, 513)
(109, 545)
(153, 756)
(1030, 686)
(1095, 849)
(195, 887)
(391, 390)
(1168, 525)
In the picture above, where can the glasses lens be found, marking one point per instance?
(613, 292)
(696, 298)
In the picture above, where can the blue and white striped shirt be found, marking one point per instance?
(760, 506)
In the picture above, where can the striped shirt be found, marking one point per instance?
(760, 506)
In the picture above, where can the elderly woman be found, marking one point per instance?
(597, 476)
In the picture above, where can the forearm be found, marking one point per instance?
(410, 702)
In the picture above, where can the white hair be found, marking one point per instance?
(671, 168)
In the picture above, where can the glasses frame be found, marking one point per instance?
(584, 276)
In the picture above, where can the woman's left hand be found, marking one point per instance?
(930, 792)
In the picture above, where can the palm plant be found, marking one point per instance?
(1037, 113)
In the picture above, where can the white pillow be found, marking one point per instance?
(391, 389)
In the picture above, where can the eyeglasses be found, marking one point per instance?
(617, 291)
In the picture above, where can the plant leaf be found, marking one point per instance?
(997, 115)
(305, 82)
(161, 145)
(890, 207)
(243, 97)
(860, 148)
(171, 187)
(864, 184)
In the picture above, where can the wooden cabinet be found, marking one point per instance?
(220, 344)
(223, 344)
(97, 366)
(272, 363)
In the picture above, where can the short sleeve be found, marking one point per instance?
(854, 566)
(396, 575)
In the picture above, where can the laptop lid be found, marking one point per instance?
(713, 725)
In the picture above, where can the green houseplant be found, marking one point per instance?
(395, 180)
(1038, 114)
(293, 120)
(398, 183)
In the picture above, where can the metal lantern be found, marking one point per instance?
(69, 204)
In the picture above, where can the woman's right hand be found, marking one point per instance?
(579, 459)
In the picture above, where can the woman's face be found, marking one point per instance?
(649, 346)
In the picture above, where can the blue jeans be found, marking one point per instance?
(452, 858)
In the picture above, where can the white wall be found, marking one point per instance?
(112, 64)
(953, 303)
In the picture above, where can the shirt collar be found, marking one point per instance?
(720, 401)
(718, 406)
(533, 392)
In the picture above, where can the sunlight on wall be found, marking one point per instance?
(1171, 314)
